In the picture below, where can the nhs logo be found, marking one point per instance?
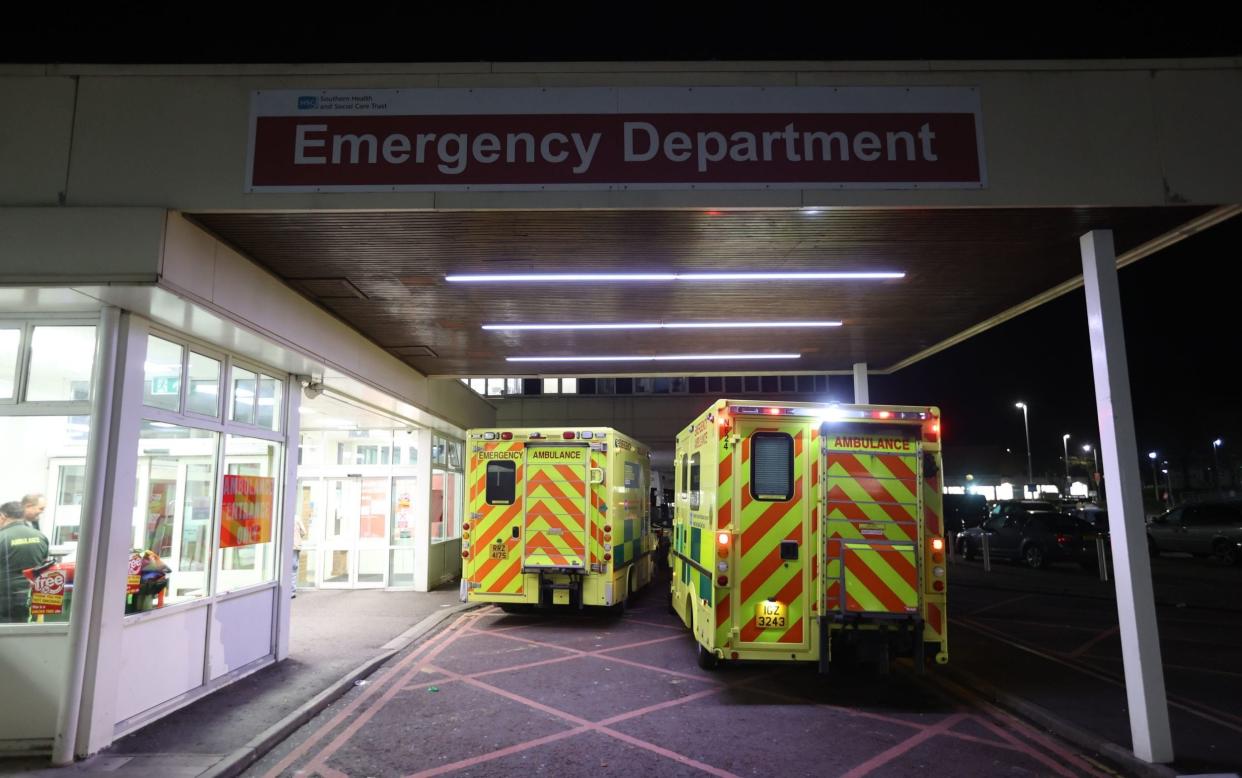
(307, 101)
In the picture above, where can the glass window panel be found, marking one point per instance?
(605, 386)
(245, 386)
(204, 394)
(249, 512)
(501, 482)
(789, 383)
(806, 384)
(401, 570)
(771, 384)
(10, 344)
(715, 384)
(733, 385)
(625, 385)
(695, 472)
(551, 386)
(479, 385)
(373, 515)
(161, 385)
(437, 505)
(309, 521)
(513, 386)
(61, 360)
(438, 450)
(307, 562)
(495, 387)
(267, 412)
(372, 564)
(173, 517)
(454, 455)
(402, 513)
(569, 386)
(51, 455)
(336, 565)
(771, 466)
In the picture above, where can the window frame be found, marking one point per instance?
(754, 461)
(18, 405)
(695, 486)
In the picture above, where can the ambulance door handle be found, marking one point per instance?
(597, 475)
(517, 532)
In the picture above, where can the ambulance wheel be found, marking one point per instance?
(707, 659)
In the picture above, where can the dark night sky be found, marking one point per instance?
(1181, 306)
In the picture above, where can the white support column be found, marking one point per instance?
(422, 510)
(861, 395)
(1136, 610)
(291, 424)
(107, 614)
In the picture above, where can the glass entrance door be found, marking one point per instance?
(355, 546)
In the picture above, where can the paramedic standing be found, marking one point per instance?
(22, 547)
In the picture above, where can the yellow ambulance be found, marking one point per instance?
(807, 531)
(556, 516)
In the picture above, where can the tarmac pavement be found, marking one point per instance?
(569, 693)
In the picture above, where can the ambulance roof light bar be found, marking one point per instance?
(830, 413)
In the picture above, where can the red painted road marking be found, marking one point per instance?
(1085, 647)
(414, 658)
(884, 757)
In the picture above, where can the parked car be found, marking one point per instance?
(1033, 535)
(1203, 529)
(1013, 507)
(1092, 514)
(962, 511)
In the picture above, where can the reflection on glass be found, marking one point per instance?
(161, 385)
(172, 515)
(403, 512)
(336, 566)
(10, 342)
(61, 360)
(306, 567)
(245, 386)
(204, 394)
(43, 450)
(373, 513)
(268, 405)
(401, 570)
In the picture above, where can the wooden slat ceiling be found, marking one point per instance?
(382, 272)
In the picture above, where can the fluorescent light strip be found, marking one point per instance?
(588, 277)
(642, 358)
(666, 325)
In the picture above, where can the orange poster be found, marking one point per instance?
(246, 510)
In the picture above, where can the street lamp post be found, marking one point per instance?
(1065, 449)
(1099, 486)
(1155, 479)
(1026, 425)
(1216, 444)
(1168, 483)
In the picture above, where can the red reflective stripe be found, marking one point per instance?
(794, 635)
(770, 517)
(761, 573)
(726, 467)
(725, 516)
(856, 567)
(897, 466)
(722, 611)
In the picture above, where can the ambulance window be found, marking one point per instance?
(501, 478)
(694, 482)
(631, 475)
(685, 473)
(771, 466)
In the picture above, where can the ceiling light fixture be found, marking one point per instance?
(598, 277)
(666, 325)
(651, 358)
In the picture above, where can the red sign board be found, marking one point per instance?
(616, 138)
(246, 510)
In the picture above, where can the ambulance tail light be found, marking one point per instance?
(465, 555)
(937, 544)
(931, 430)
(489, 435)
(569, 435)
(722, 580)
(506, 436)
(607, 557)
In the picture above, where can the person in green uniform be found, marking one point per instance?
(21, 547)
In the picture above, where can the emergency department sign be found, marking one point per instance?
(618, 138)
(246, 510)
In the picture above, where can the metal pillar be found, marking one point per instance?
(1136, 611)
(861, 396)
